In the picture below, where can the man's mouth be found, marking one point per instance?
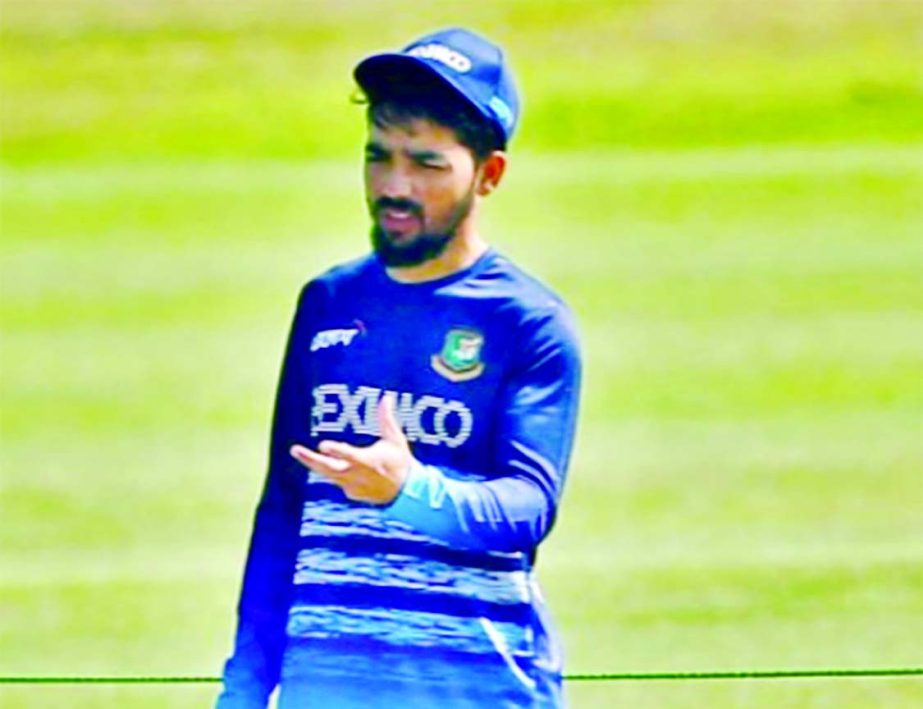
(398, 219)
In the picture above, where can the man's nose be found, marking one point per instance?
(396, 184)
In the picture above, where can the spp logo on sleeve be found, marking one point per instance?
(339, 336)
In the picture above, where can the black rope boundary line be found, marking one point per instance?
(581, 677)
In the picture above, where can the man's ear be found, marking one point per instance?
(492, 170)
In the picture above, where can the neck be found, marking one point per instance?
(462, 251)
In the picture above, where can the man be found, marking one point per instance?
(423, 425)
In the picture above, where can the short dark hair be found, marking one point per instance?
(399, 100)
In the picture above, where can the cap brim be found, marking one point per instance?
(377, 73)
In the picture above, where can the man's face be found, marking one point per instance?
(419, 187)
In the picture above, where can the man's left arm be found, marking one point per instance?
(515, 510)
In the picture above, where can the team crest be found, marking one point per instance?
(460, 358)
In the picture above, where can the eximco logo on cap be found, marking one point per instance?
(442, 54)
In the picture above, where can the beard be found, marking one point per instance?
(426, 245)
(421, 249)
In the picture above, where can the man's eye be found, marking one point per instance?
(375, 155)
(432, 165)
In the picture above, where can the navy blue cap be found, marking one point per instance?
(471, 65)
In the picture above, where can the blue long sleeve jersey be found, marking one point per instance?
(431, 600)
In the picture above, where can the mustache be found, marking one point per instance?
(402, 204)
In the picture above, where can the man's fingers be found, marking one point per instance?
(325, 464)
(341, 451)
(387, 420)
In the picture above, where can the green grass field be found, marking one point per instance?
(730, 196)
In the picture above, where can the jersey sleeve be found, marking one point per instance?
(252, 672)
(514, 507)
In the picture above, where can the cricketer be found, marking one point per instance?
(423, 425)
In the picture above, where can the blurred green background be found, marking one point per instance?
(728, 193)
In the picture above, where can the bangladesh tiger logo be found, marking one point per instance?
(460, 358)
